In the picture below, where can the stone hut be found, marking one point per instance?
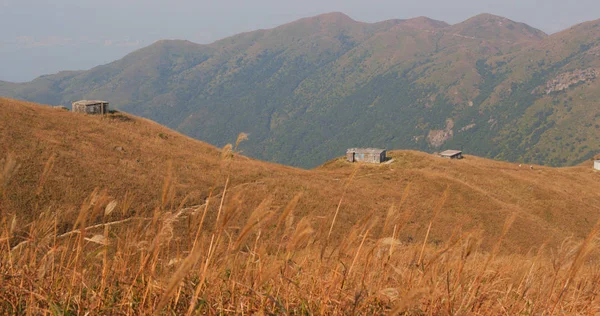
(372, 155)
(91, 107)
(597, 164)
(451, 154)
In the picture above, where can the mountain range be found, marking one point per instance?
(307, 90)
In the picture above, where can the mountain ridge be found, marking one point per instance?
(310, 88)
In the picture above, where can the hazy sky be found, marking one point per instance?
(44, 36)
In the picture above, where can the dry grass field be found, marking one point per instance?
(119, 215)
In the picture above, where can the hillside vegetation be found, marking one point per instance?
(118, 214)
(308, 90)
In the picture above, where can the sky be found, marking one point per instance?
(40, 37)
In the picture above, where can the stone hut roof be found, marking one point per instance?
(450, 153)
(365, 150)
(89, 102)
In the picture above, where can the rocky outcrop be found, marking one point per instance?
(436, 138)
(565, 80)
(466, 128)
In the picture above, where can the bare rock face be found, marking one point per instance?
(467, 127)
(436, 138)
(565, 80)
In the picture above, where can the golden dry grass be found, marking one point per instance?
(171, 225)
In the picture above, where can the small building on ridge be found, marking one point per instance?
(597, 164)
(372, 155)
(91, 107)
(451, 154)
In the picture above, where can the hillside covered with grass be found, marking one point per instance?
(117, 214)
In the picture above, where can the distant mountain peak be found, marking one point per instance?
(331, 18)
(334, 16)
(487, 16)
(588, 25)
(487, 19)
(425, 23)
(486, 26)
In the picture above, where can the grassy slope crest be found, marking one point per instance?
(63, 157)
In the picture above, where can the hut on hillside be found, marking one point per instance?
(451, 154)
(372, 155)
(91, 107)
(597, 164)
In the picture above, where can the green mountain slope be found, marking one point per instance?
(307, 90)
